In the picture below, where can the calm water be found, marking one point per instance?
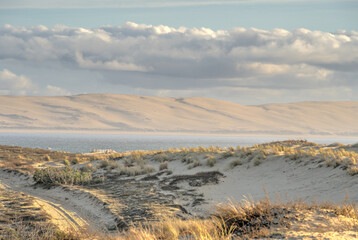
(80, 143)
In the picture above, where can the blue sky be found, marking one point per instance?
(315, 14)
(245, 51)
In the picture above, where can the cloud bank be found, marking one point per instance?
(164, 60)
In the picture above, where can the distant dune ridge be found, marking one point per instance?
(128, 113)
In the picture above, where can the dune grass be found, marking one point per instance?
(246, 219)
(22, 159)
(67, 175)
(333, 155)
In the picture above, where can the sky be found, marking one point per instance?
(244, 51)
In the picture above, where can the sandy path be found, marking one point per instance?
(68, 209)
(62, 218)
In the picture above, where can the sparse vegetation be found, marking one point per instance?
(195, 164)
(47, 158)
(236, 220)
(235, 163)
(66, 162)
(163, 166)
(210, 160)
(187, 159)
(353, 171)
(161, 157)
(75, 160)
(67, 175)
(88, 168)
(257, 162)
(134, 170)
(250, 219)
(228, 154)
(22, 159)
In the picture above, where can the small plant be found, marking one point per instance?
(137, 156)
(187, 159)
(75, 161)
(213, 149)
(47, 158)
(163, 166)
(228, 154)
(66, 162)
(111, 165)
(161, 157)
(210, 161)
(88, 168)
(134, 170)
(195, 164)
(257, 162)
(235, 163)
(352, 171)
(104, 163)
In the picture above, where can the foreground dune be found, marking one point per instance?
(126, 113)
(312, 189)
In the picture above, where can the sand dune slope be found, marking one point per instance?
(127, 113)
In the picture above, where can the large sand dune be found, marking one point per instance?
(127, 113)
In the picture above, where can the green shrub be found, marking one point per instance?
(235, 163)
(68, 175)
(163, 166)
(353, 170)
(134, 170)
(104, 163)
(195, 164)
(228, 154)
(161, 157)
(210, 161)
(75, 161)
(187, 159)
(66, 162)
(257, 161)
(47, 158)
(88, 168)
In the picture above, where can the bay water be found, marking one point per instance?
(83, 143)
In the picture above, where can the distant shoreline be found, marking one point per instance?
(167, 133)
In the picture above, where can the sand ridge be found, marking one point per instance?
(130, 113)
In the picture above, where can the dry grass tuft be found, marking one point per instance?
(174, 228)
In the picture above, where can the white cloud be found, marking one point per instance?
(166, 59)
(186, 52)
(12, 84)
(56, 91)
